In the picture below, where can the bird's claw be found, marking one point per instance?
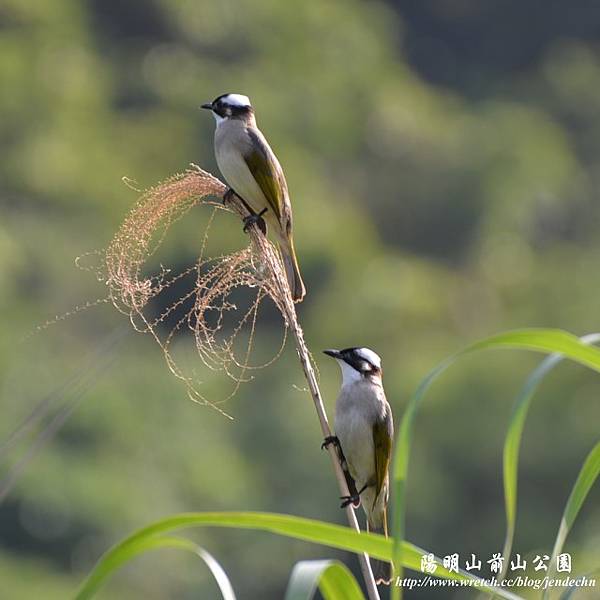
(228, 195)
(330, 439)
(347, 500)
(256, 219)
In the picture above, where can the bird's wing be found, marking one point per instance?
(383, 434)
(267, 172)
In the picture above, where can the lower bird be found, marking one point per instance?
(254, 174)
(364, 430)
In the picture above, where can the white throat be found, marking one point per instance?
(349, 374)
(218, 118)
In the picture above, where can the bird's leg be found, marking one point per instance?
(354, 497)
(256, 219)
(333, 439)
(252, 218)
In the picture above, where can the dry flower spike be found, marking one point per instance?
(207, 308)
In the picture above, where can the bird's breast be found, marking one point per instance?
(230, 145)
(354, 428)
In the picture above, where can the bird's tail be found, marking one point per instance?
(292, 271)
(382, 570)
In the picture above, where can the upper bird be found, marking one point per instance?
(364, 430)
(254, 174)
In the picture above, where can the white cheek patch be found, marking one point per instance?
(236, 100)
(369, 356)
(218, 118)
(349, 374)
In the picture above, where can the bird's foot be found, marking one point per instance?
(228, 195)
(354, 499)
(330, 439)
(256, 219)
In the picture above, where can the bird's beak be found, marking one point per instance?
(332, 353)
(207, 105)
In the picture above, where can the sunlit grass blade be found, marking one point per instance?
(218, 573)
(331, 577)
(295, 527)
(122, 554)
(541, 340)
(585, 480)
(512, 441)
(309, 530)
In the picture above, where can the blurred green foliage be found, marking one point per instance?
(443, 165)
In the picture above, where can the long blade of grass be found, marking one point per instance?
(218, 573)
(299, 528)
(541, 340)
(512, 441)
(115, 561)
(585, 480)
(331, 577)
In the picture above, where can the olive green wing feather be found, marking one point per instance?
(383, 434)
(266, 171)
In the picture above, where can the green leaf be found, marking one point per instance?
(541, 340)
(587, 476)
(299, 528)
(512, 441)
(585, 480)
(114, 560)
(331, 577)
(304, 529)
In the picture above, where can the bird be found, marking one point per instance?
(254, 174)
(364, 431)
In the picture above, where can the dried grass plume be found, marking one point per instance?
(206, 309)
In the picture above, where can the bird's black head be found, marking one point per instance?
(230, 105)
(362, 360)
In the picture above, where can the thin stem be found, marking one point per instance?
(288, 308)
(313, 386)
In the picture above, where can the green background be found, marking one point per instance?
(442, 158)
